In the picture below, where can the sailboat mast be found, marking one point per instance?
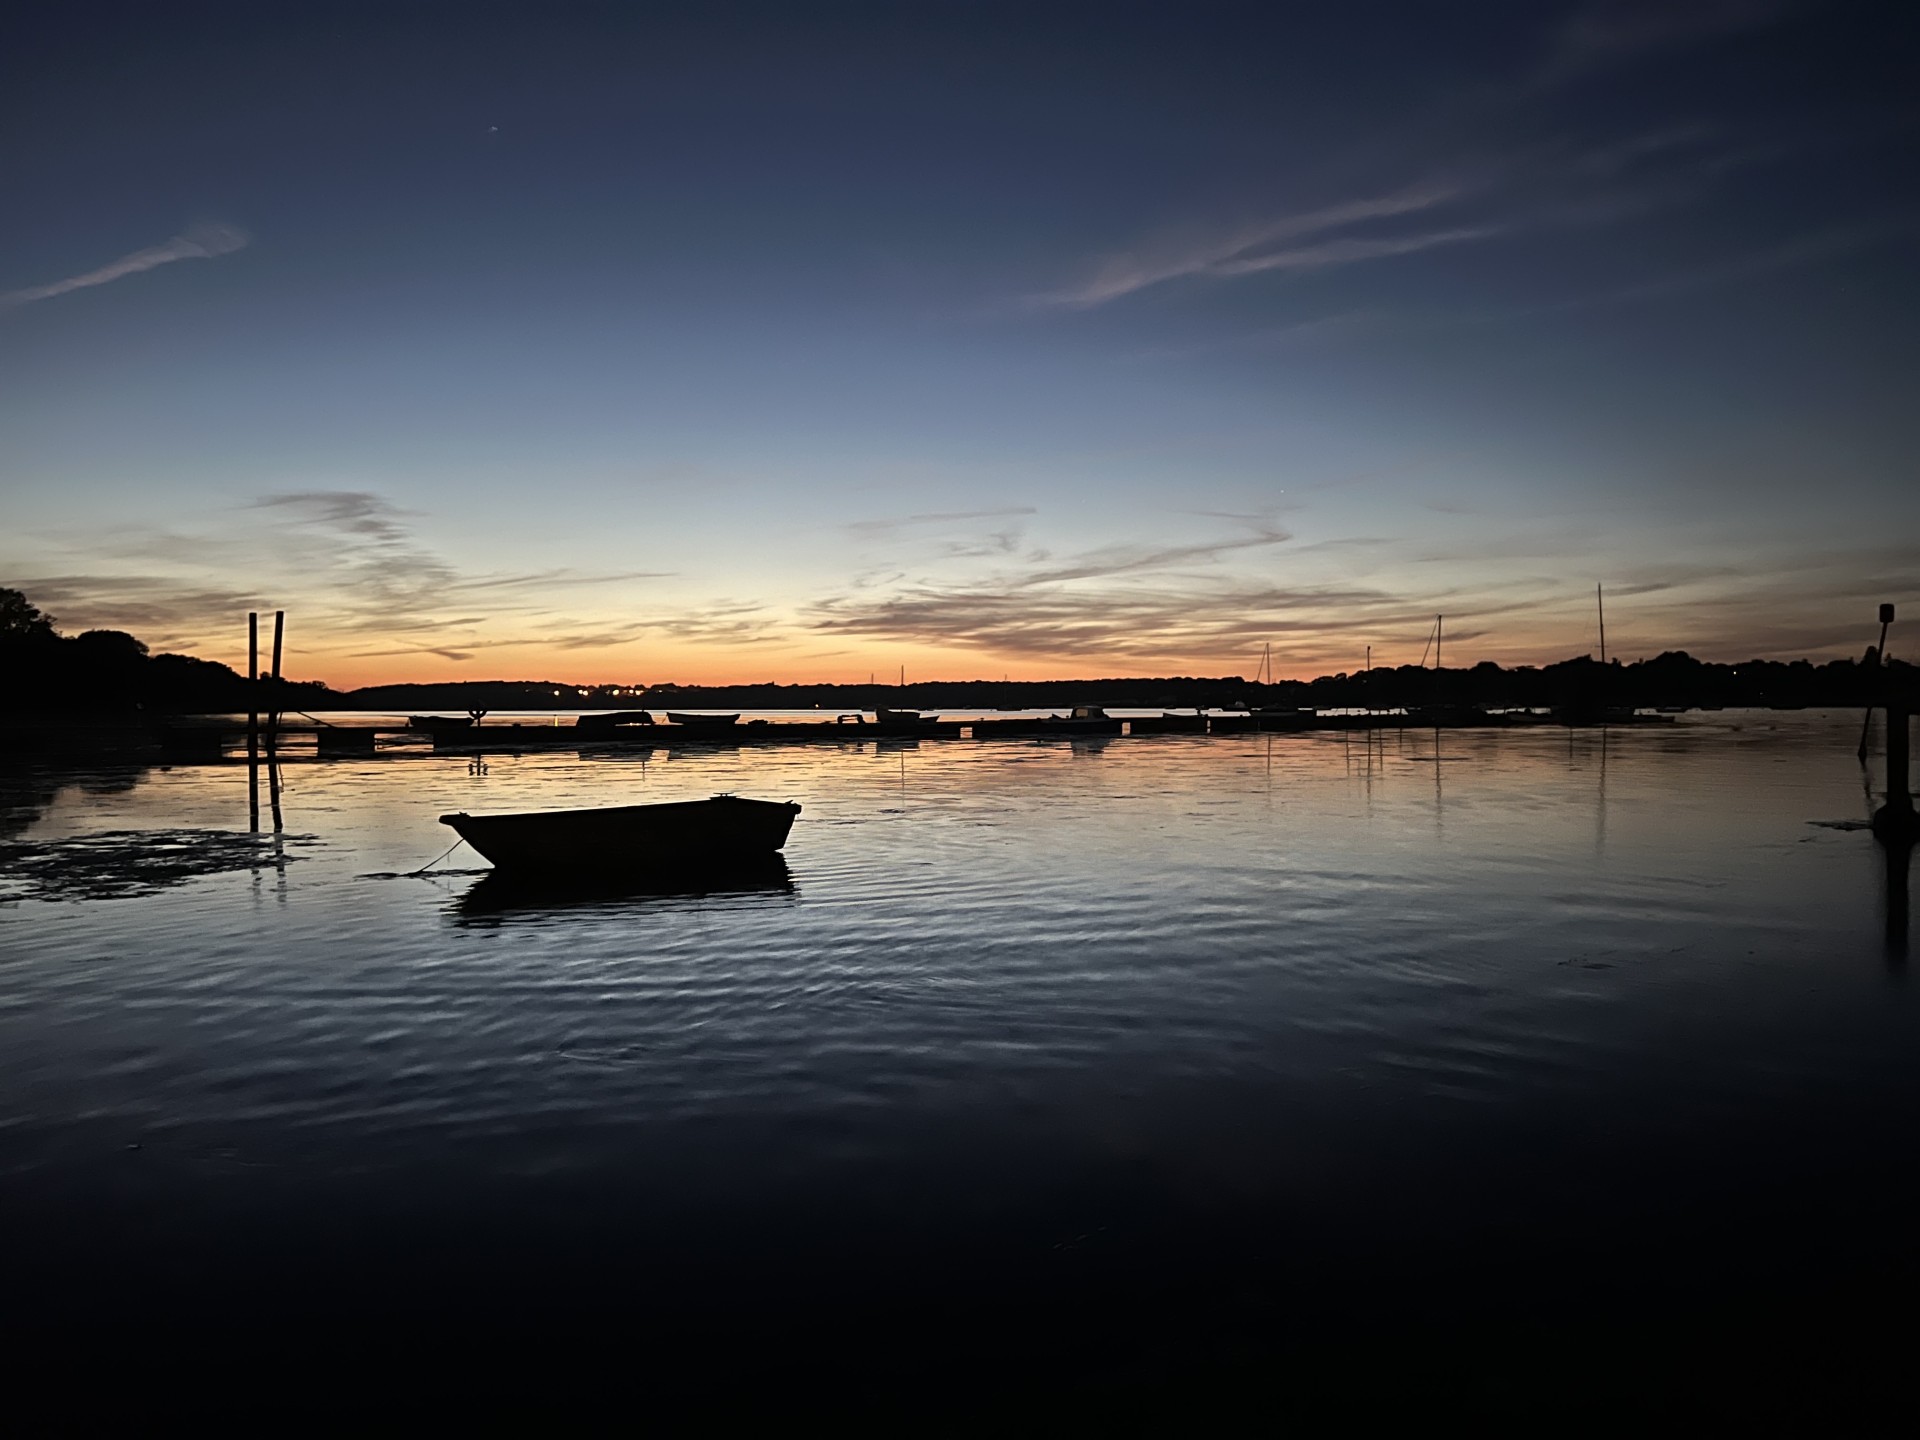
(1600, 601)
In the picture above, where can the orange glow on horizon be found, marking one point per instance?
(726, 667)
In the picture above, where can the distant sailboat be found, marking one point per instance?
(1593, 709)
(1436, 712)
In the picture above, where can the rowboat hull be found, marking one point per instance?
(629, 839)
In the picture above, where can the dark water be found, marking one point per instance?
(1509, 1067)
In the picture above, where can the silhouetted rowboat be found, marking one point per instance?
(904, 719)
(629, 839)
(677, 718)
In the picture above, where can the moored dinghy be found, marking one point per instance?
(629, 839)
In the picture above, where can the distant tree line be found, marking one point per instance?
(1673, 678)
(107, 672)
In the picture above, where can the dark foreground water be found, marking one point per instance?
(1533, 1070)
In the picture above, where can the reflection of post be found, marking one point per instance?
(253, 719)
(1894, 825)
(1897, 856)
(1894, 821)
(1600, 813)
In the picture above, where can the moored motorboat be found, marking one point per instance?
(1085, 720)
(629, 839)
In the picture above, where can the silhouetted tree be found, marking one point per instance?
(21, 619)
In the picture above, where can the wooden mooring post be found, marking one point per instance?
(253, 719)
(1894, 822)
(273, 725)
(273, 700)
(1879, 663)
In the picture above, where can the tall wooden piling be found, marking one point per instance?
(273, 725)
(1879, 663)
(253, 683)
(273, 700)
(253, 719)
(1894, 822)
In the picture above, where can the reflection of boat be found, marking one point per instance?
(1589, 712)
(1447, 715)
(682, 718)
(503, 892)
(629, 839)
(1284, 717)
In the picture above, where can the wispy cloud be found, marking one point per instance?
(1243, 249)
(1348, 251)
(1551, 185)
(349, 562)
(1172, 623)
(881, 529)
(201, 242)
(1112, 560)
(1124, 604)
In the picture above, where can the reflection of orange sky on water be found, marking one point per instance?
(1503, 792)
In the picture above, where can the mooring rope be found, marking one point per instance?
(437, 859)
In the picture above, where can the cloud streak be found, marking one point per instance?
(1244, 249)
(1351, 250)
(881, 529)
(350, 562)
(201, 242)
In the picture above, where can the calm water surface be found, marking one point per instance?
(1271, 1034)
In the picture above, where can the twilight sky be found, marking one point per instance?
(796, 342)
